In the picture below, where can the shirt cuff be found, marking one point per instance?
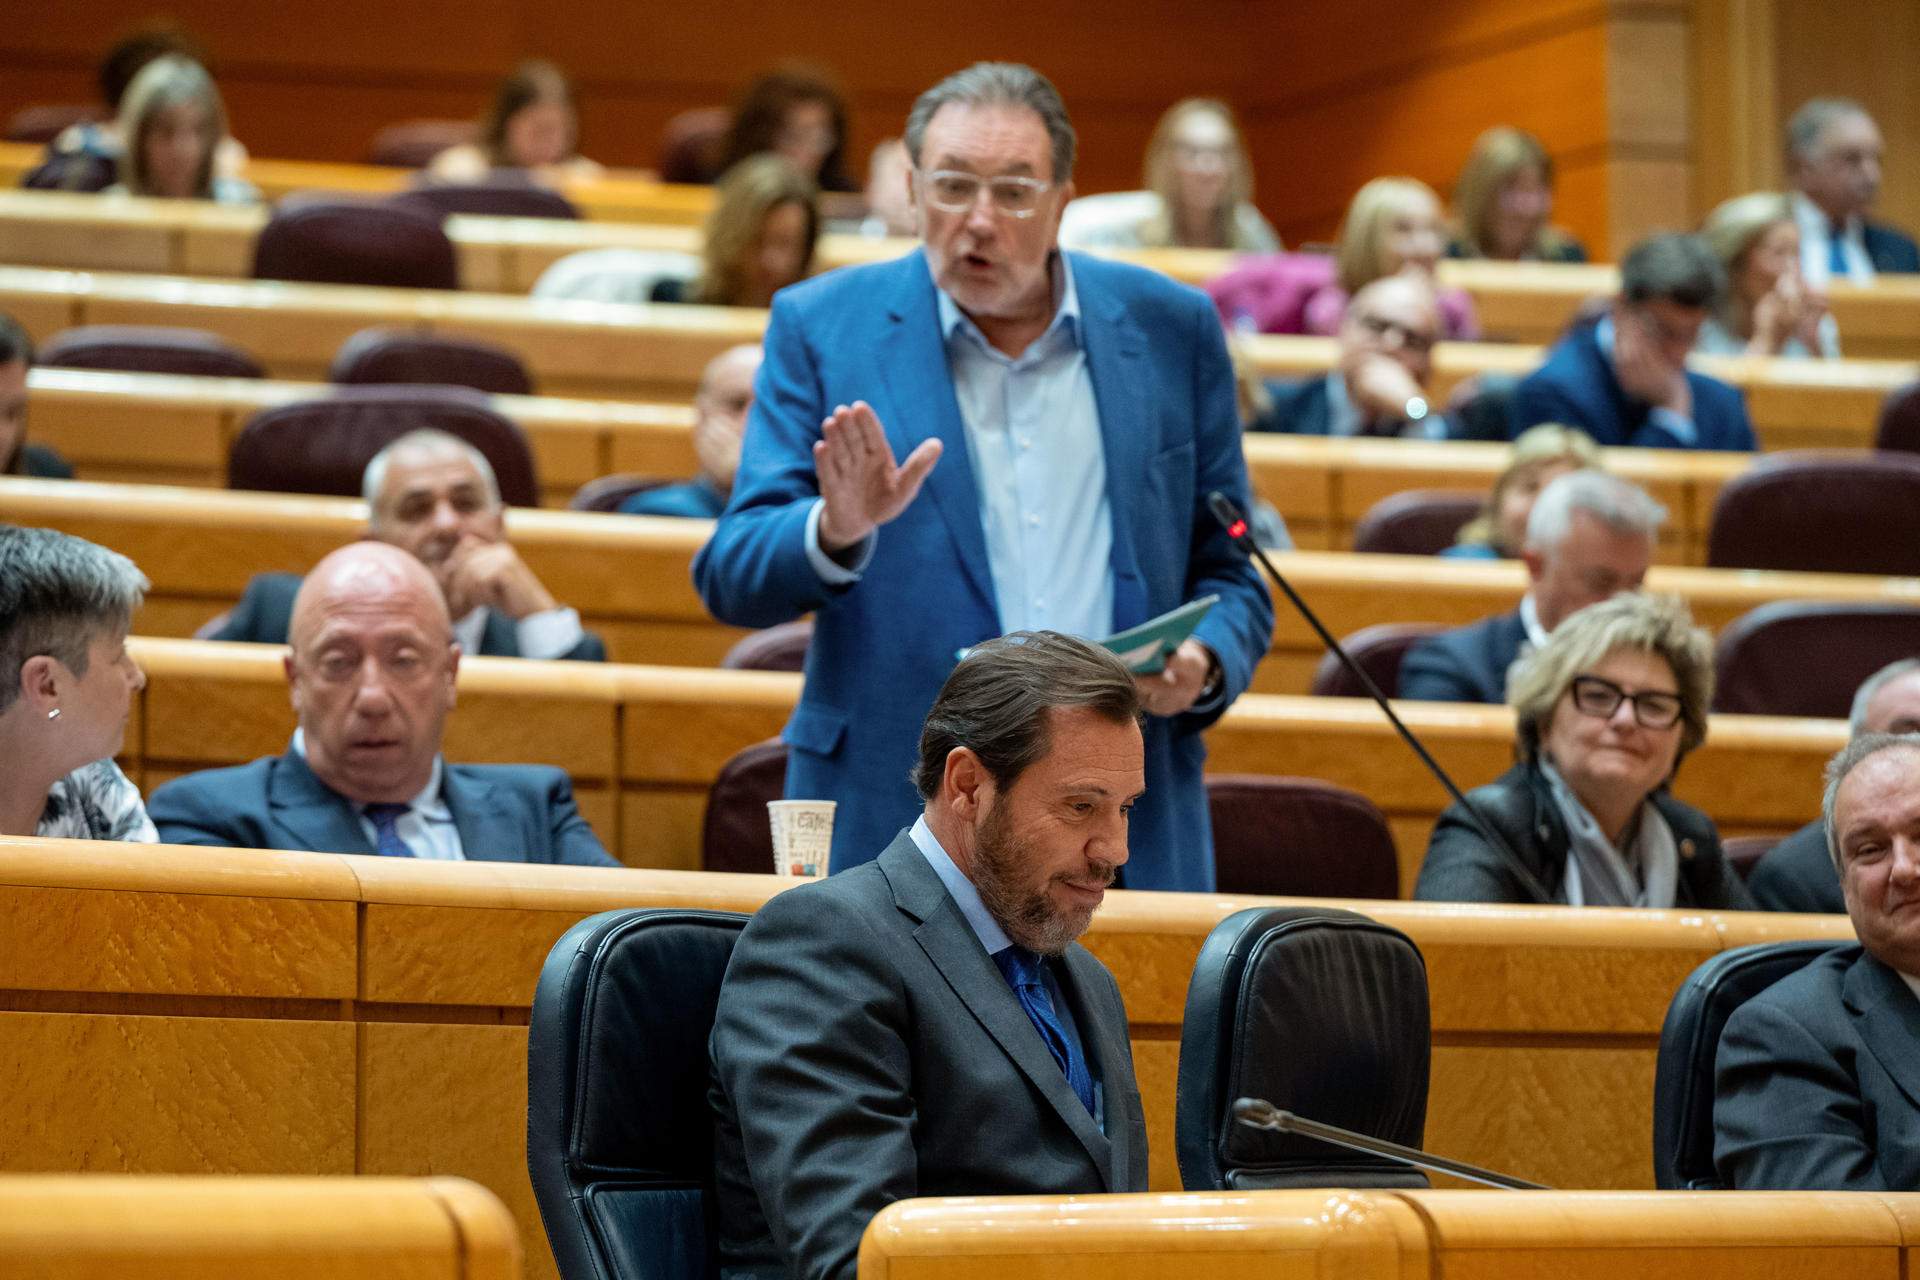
(831, 571)
(1681, 429)
(551, 633)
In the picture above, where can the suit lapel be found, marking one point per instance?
(950, 944)
(1888, 1016)
(922, 404)
(1117, 366)
(319, 819)
(478, 816)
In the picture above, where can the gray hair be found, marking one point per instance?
(1804, 130)
(1621, 505)
(57, 594)
(1873, 684)
(997, 84)
(426, 440)
(1659, 625)
(1677, 268)
(1851, 757)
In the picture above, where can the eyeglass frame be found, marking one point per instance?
(1421, 344)
(1039, 189)
(1619, 695)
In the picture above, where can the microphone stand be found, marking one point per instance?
(1257, 1113)
(1236, 526)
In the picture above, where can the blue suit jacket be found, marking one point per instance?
(883, 646)
(1577, 386)
(1890, 250)
(504, 813)
(1300, 407)
(1467, 664)
(694, 499)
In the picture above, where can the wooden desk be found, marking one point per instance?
(156, 1003)
(107, 1227)
(1397, 1235)
(657, 352)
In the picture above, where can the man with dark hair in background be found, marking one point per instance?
(17, 456)
(926, 1024)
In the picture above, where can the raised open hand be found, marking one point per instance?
(862, 487)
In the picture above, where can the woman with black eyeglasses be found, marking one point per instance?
(1606, 709)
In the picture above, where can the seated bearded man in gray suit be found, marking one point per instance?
(925, 1024)
(1817, 1082)
(372, 677)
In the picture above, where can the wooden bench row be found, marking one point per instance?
(161, 1001)
(643, 744)
(631, 575)
(1529, 302)
(657, 352)
(158, 428)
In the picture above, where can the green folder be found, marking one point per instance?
(1146, 648)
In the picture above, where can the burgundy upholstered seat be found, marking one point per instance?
(341, 241)
(131, 348)
(1806, 658)
(409, 356)
(506, 194)
(1419, 522)
(412, 144)
(1820, 512)
(1299, 837)
(777, 648)
(1379, 650)
(736, 834)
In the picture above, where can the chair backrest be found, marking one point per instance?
(613, 275)
(412, 144)
(1299, 838)
(1689, 1040)
(1820, 513)
(690, 144)
(1899, 428)
(1418, 522)
(505, 194)
(131, 348)
(409, 356)
(1321, 1012)
(1805, 658)
(608, 492)
(619, 1137)
(323, 446)
(1379, 649)
(1743, 853)
(736, 834)
(325, 240)
(782, 647)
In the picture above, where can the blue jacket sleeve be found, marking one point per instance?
(574, 842)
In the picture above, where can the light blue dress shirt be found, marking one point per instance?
(1039, 464)
(427, 827)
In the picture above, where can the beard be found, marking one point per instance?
(1029, 916)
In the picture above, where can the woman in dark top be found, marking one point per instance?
(797, 114)
(759, 238)
(1503, 203)
(17, 457)
(1605, 712)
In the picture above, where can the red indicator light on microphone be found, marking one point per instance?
(1237, 530)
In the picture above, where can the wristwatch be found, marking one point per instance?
(1416, 409)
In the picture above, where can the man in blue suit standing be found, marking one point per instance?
(1067, 417)
(1624, 380)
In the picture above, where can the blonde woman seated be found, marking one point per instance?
(1605, 711)
(1767, 309)
(1503, 203)
(532, 127)
(66, 684)
(1539, 456)
(172, 127)
(760, 237)
(1199, 192)
(1392, 226)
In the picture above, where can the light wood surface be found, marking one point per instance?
(1390, 1235)
(99, 1227)
(155, 1019)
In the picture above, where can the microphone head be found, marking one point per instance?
(1257, 1112)
(1225, 512)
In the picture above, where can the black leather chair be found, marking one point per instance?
(619, 1139)
(1689, 1039)
(1321, 1012)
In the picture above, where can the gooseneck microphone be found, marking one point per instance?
(1236, 526)
(1257, 1113)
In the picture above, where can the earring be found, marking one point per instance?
(54, 714)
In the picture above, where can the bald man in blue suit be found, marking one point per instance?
(989, 435)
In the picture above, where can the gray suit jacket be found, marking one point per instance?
(866, 1050)
(1817, 1083)
(504, 813)
(1797, 874)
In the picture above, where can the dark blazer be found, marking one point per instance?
(1467, 664)
(504, 813)
(1300, 407)
(265, 613)
(695, 499)
(884, 645)
(1890, 250)
(39, 462)
(1817, 1083)
(1797, 874)
(1461, 867)
(1577, 386)
(866, 1049)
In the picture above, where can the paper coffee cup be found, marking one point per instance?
(802, 836)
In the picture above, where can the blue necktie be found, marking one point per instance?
(1021, 968)
(387, 841)
(1837, 253)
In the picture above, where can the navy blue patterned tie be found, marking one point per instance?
(1837, 254)
(1022, 970)
(387, 841)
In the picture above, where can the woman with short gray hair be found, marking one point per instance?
(1605, 712)
(66, 684)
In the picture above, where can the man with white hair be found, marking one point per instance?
(434, 495)
(1590, 537)
(1833, 164)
